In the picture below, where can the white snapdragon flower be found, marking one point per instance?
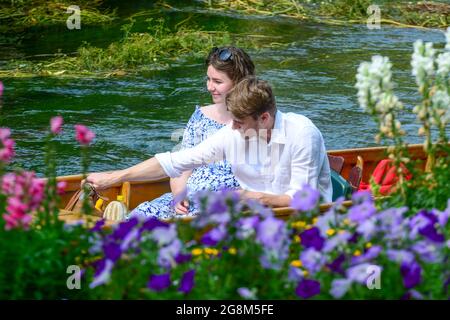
(443, 64)
(447, 37)
(422, 61)
(441, 101)
(372, 80)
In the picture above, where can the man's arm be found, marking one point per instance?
(165, 164)
(150, 169)
(271, 200)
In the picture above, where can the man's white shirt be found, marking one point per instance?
(294, 156)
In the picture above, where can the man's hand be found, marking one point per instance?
(102, 180)
(182, 207)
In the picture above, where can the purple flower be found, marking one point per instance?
(430, 232)
(98, 225)
(112, 251)
(295, 274)
(306, 199)
(312, 260)
(270, 232)
(359, 273)
(424, 223)
(164, 235)
(102, 273)
(367, 228)
(187, 282)
(399, 256)
(153, 223)
(307, 288)
(339, 239)
(312, 238)
(167, 254)
(339, 287)
(361, 212)
(427, 251)
(214, 236)
(370, 254)
(246, 227)
(182, 258)
(361, 197)
(336, 264)
(246, 293)
(159, 282)
(412, 274)
(124, 228)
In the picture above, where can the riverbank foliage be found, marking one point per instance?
(407, 14)
(158, 48)
(17, 16)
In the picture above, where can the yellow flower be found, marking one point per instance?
(232, 250)
(330, 232)
(296, 263)
(308, 227)
(314, 221)
(197, 251)
(207, 250)
(297, 239)
(305, 273)
(357, 253)
(298, 224)
(368, 245)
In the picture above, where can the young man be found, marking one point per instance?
(272, 154)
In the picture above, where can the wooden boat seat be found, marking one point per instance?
(336, 163)
(356, 173)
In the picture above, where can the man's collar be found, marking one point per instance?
(279, 130)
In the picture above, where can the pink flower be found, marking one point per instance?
(24, 194)
(61, 187)
(16, 207)
(83, 134)
(1, 88)
(5, 133)
(8, 182)
(56, 124)
(7, 152)
(11, 222)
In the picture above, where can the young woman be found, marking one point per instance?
(225, 67)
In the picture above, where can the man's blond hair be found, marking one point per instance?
(251, 97)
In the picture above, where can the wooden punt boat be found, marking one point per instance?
(137, 192)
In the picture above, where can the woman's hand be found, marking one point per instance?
(182, 207)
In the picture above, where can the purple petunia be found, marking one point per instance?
(124, 228)
(336, 264)
(339, 287)
(306, 199)
(312, 260)
(307, 288)
(411, 273)
(153, 223)
(159, 282)
(214, 236)
(102, 274)
(370, 254)
(311, 238)
(246, 293)
(187, 282)
(361, 212)
(270, 232)
(112, 251)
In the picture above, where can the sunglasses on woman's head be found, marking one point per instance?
(224, 54)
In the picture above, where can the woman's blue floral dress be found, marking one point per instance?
(213, 177)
